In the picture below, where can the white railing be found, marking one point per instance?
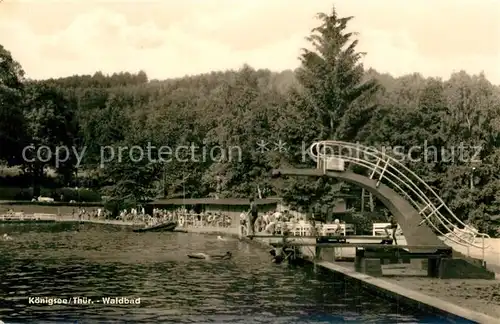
(384, 167)
(20, 216)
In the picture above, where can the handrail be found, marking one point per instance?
(393, 171)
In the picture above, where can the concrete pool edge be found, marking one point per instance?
(379, 286)
(407, 296)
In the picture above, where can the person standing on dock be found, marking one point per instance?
(253, 213)
(337, 230)
(392, 226)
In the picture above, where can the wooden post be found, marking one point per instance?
(372, 206)
(432, 268)
(362, 200)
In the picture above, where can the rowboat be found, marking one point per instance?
(163, 227)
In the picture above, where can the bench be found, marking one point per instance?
(379, 229)
(44, 216)
(369, 260)
(329, 229)
(45, 199)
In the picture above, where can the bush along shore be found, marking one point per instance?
(63, 195)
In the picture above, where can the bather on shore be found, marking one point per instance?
(270, 228)
(393, 226)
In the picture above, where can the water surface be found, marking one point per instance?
(96, 261)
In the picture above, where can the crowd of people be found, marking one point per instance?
(181, 216)
(76, 213)
(276, 222)
(139, 216)
(85, 214)
(271, 222)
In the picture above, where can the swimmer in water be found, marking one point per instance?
(226, 256)
(205, 256)
(6, 237)
(221, 238)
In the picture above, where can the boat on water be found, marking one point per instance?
(163, 227)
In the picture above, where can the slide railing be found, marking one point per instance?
(383, 167)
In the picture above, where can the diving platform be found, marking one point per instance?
(420, 213)
(372, 252)
(346, 237)
(347, 241)
(374, 246)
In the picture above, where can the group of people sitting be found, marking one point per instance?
(180, 216)
(83, 214)
(214, 219)
(270, 222)
(282, 222)
(275, 222)
(138, 215)
(133, 215)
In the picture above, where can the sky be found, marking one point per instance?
(168, 38)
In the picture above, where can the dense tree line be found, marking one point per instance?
(330, 96)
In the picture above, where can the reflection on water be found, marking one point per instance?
(66, 261)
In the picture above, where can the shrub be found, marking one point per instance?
(15, 193)
(68, 194)
(114, 206)
(26, 180)
(56, 204)
(81, 194)
(7, 193)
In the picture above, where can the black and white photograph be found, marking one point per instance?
(217, 161)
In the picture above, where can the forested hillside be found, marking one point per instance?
(331, 96)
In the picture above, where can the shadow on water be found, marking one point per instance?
(56, 260)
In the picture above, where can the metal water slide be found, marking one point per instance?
(385, 169)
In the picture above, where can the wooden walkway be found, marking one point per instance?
(100, 221)
(39, 217)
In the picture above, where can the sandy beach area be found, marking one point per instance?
(475, 294)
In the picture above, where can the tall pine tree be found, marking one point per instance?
(334, 92)
(333, 79)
